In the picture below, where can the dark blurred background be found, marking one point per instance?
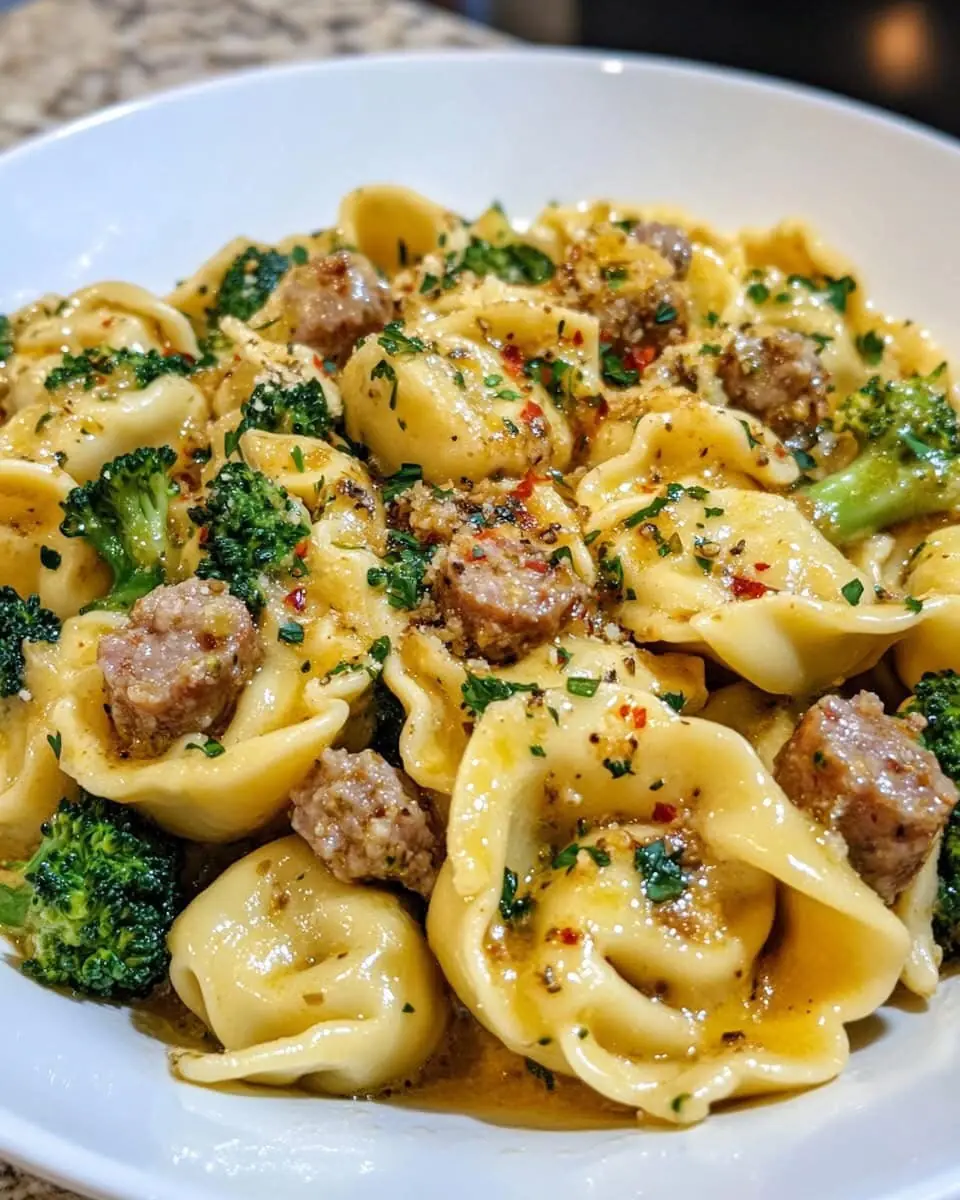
(903, 55)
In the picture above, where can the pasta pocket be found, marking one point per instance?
(304, 979)
(34, 555)
(31, 781)
(608, 900)
(206, 793)
(933, 578)
(746, 576)
(451, 403)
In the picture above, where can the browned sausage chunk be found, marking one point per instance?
(503, 594)
(779, 378)
(658, 316)
(331, 302)
(864, 775)
(669, 241)
(178, 665)
(365, 820)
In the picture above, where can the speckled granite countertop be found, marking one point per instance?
(60, 59)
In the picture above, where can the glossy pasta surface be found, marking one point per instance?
(499, 767)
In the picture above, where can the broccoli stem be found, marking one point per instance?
(877, 490)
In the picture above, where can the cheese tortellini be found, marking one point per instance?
(304, 979)
(480, 612)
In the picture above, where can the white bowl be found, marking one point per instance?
(145, 192)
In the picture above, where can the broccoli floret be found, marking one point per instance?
(123, 515)
(6, 338)
(247, 283)
(253, 527)
(91, 367)
(907, 466)
(937, 697)
(21, 621)
(300, 409)
(96, 902)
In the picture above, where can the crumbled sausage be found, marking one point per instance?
(366, 820)
(331, 302)
(658, 316)
(503, 593)
(864, 775)
(669, 241)
(777, 376)
(178, 665)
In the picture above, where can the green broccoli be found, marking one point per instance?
(300, 409)
(908, 464)
(21, 621)
(937, 697)
(130, 367)
(253, 527)
(96, 901)
(248, 283)
(123, 515)
(6, 338)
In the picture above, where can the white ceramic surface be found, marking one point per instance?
(145, 193)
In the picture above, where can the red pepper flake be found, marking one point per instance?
(524, 489)
(639, 357)
(664, 813)
(761, 566)
(569, 937)
(302, 549)
(513, 359)
(530, 412)
(297, 599)
(538, 565)
(637, 715)
(318, 362)
(202, 536)
(747, 589)
(578, 337)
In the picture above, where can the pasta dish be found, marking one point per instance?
(439, 656)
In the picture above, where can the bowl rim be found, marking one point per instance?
(608, 61)
(55, 1157)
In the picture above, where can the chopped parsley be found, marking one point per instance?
(290, 632)
(759, 293)
(613, 370)
(211, 747)
(618, 767)
(408, 1008)
(403, 575)
(512, 906)
(55, 742)
(838, 290)
(752, 442)
(400, 481)
(674, 492)
(805, 461)
(913, 604)
(676, 700)
(561, 553)
(297, 455)
(555, 375)
(480, 690)
(538, 751)
(663, 877)
(870, 347)
(395, 341)
(665, 313)
(50, 558)
(852, 592)
(582, 685)
(566, 859)
(383, 370)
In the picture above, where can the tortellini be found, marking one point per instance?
(608, 903)
(270, 744)
(552, 601)
(304, 979)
